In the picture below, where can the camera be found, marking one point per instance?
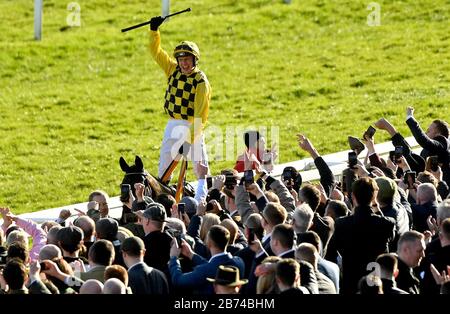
(248, 177)
(209, 182)
(370, 132)
(178, 237)
(125, 192)
(43, 266)
(181, 208)
(434, 163)
(409, 179)
(398, 153)
(267, 158)
(251, 236)
(230, 182)
(352, 160)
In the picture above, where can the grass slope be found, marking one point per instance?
(75, 102)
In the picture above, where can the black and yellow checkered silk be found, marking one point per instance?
(180, 94)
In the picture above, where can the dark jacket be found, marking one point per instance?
(400, 215)
(406, 279)
(144, 279)
(390, 287)
(196, 279)
(440, 258)
(157, 250)
(439, 146)
(420, 214)
(416, 162)
(359, 239)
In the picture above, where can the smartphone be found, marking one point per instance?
(352, 160)
(392, 156)
(125, 192)
(251, 236)
(409, 178)
(248, 177)
(230, 182)
(181, 208)
(434, 163)
(43, 266)
(370, 132)
(209, 182)
(209, 207)
(398, 152)
(267, 158)
(178, 237)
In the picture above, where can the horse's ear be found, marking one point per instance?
(123, 165)
(138, 162)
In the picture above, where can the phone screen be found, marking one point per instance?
(248, 177)
(370, 132)
(352, 159)
(181, 208)
(208, 182)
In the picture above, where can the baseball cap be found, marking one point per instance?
(153, 211)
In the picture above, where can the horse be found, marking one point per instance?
(153, 186)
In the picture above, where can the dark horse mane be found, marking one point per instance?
(137, 174)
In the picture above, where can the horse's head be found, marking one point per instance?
(134, 174)
(137, 174)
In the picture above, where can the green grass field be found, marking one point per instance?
(75, 102)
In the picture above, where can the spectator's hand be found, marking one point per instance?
(440, 278)
(3, 284)
(35, 269)
(410, 111)
(201, 208)
(174, 211)
(201, 170)
(370, 144)
(64, 214)
(384, 124)
(218, 182)
(5, 213)
(139, 188)
(104, 211)
(78, 266)
(254, 207)
(51, 269)
(377, 172)
(156, 22)
(391, 165)
(403, 164)
(323, 195)
(80, 212)
(437, 174)
(174, 249)
(255, 190)
(92, 205)
(186, 249)
(216, 207)
(304, 143)
(264, 269)
(432, 225)
(361, 171)
(256, 246)
(295, 196)
(427, 236)
(185, 219)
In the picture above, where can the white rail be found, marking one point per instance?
(336, 161)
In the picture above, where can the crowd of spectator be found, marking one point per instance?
(383, 228)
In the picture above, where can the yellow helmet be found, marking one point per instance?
(186, 47)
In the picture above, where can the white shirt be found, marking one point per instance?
(135, 265)
(217, 255)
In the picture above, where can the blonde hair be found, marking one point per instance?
(266, 283)
(208, 221)
(17, 236)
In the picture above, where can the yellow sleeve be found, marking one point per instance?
(201, 109)
(161, 57)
